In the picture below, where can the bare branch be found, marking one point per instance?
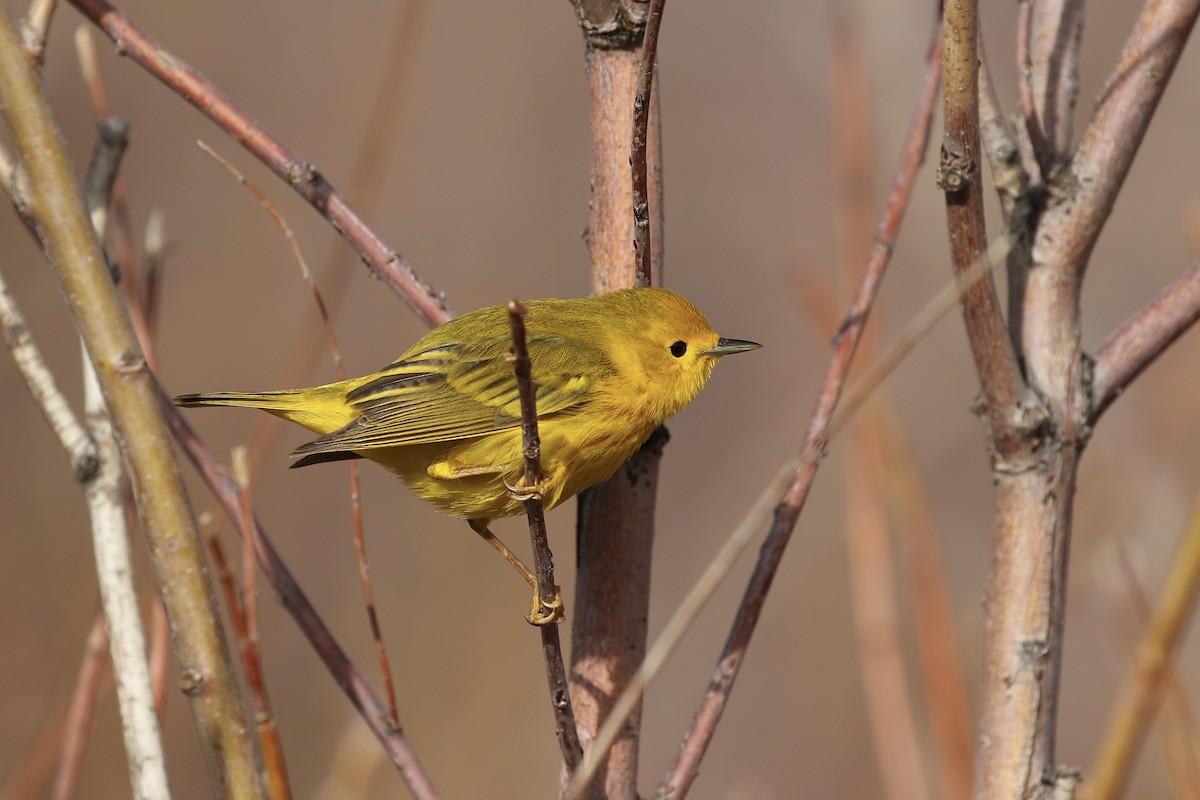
(1141, 339)
(543, 560)
(301, 175)
(615, 527)
(960, 177)
(75, 440)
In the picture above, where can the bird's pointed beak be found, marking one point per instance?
(726, 346)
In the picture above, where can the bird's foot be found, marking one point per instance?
(522, 491)
(549, 612)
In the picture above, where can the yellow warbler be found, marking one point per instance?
(446, 417)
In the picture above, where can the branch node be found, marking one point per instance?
(955, 170)
(190, 681)
(130, 362)
(302, 173)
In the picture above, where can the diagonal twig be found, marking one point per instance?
(301, 175)
(682, 771)
(1140, 340)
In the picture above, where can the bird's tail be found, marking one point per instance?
(268, 401)
(319, 411)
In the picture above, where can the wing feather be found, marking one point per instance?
(462, 391)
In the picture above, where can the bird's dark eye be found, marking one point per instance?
(678, 349)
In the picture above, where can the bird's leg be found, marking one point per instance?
(540, 611)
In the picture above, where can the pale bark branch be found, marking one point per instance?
(206, 672)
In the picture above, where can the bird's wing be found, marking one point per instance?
(460, 391)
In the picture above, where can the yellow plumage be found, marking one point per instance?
(445, 416)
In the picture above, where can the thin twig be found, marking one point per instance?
(206, 671)
(292, 597)
(684, 767)
(1141, 339)
(642, 242)
(245, 616)
(360, 544)
(1139, 700)
(76, 442)
(154, 250)
(79, 717)
(531, 448)
(300, 174)
(121, 235)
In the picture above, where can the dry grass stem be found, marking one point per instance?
(1139, 699)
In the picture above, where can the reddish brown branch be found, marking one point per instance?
(683, 769)
(960, 177)
(642, 243)
(79, 718)
(301, 175)
(247, 612)
(1137, 343)
(615, 531)
(543, 559)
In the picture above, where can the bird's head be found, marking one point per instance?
(674, 346)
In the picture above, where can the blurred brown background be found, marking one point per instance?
(485, 189)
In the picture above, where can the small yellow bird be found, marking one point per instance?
(446, 416)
